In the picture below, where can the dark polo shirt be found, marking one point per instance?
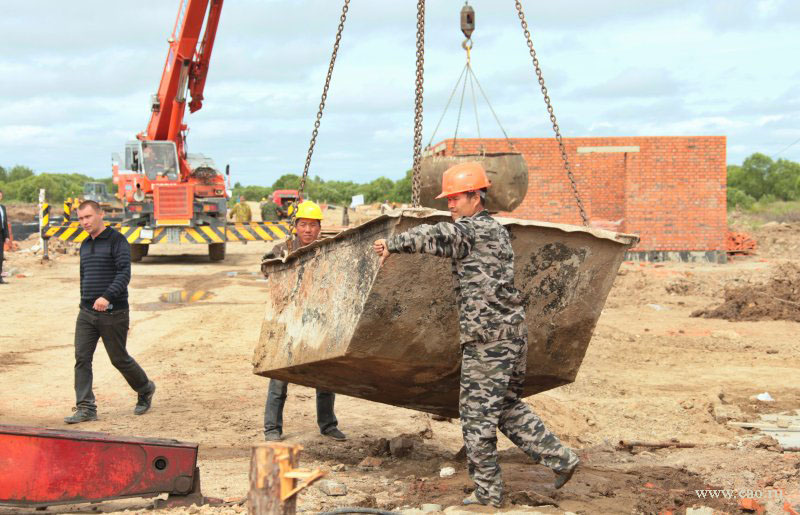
(105, 269)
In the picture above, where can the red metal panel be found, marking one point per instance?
(173, 201)
(47, 466)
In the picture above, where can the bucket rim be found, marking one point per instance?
(423, 212)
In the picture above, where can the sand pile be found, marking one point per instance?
(778, 299)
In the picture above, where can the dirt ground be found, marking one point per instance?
(652, 373)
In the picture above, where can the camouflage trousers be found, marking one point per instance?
(492, 377)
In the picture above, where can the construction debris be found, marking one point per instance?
(447, 472)
(401, 446)
(630, 444)
(331, 488)
(778, 299)
(781, 432)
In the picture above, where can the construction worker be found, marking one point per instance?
(308, 225)
(269, 210)
(241, 211)
(493, 333)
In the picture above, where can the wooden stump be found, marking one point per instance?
(266, 461)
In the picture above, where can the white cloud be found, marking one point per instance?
(76, 87)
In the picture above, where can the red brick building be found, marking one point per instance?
(671, 191)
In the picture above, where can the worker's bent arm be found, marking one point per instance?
(444, 239)
(121, 252)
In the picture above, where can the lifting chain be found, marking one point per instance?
(314, 133)
(561, 146)
(415, 180)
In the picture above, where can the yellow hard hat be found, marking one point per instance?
(308, 209)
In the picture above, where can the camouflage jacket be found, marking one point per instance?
(279, 249)
(241, 212)
(269, 212)
(489, 305)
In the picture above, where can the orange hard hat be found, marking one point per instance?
(463, 177)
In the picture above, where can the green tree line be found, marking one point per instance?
(334, 192)
(20, 183)
(760, 179)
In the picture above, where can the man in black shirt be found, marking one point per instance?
(4, 235)
(105, 273)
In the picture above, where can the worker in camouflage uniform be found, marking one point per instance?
(308, 225)
(241, 212)
(269, 211)
(494, 340)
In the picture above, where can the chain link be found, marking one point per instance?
(561, 146)
(415, 180)
(315, 132)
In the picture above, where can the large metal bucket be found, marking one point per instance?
(507, 171)
(334, 320)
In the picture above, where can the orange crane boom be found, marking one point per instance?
(186, 68)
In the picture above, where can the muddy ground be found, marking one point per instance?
(652, 373)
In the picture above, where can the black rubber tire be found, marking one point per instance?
(138, 251)
(216, 251)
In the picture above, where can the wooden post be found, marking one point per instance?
(267, 461)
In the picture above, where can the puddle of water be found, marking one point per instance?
(185, 296)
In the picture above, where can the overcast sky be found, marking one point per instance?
(76, 78)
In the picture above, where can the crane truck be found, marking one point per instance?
(170, 195)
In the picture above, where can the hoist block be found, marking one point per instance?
(335, 320)
(43, 467)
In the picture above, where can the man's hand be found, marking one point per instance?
(101, 304)
(381, 249)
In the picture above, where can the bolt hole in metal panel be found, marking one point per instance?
(46, 467)
(334, 320)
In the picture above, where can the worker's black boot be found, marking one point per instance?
(474, 499)
(81, 415)
(272, 436)
(145, 399)
(564, 476)
(335, 434)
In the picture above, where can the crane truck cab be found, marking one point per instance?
(159, 197)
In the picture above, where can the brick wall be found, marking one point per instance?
(671, 191)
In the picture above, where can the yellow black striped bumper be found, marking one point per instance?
(254, 231)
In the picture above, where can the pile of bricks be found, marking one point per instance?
(740, 243)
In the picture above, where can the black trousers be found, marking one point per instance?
(113, 329)
(2, 255)
(276, 399)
